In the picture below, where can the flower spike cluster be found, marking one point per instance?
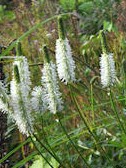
(64, 60)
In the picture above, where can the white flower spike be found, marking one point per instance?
(65, 63)
(107, 70)
(20, 100)
(52, 95)
(64, 60)
(37, 100)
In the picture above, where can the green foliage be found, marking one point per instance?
(95, 13)
(109, 26)
(67, 5)
(6, 15)
(41, 163)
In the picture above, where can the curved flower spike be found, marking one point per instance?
(37, 100)
(65, 63)
(52, 95)
(107, 70)
(20, 100)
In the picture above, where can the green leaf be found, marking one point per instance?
(41, 163)
(14, 150)
(25, 160)
(67, 6)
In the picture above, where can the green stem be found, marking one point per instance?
(116, 112)
(61, 30)
(18, 49)
(81, 113)
(41, 153)
(61, 164)
(103, 42)
(92, 105)
(95, 137)
(45, 148)
(14, 150)
(67, 135)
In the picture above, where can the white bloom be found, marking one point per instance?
(20, 99)
(107, 68)
(65, 63)
(4, 99)
(37, 100)
(51, 93)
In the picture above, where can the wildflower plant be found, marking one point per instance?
(72, 140)
(64, 60)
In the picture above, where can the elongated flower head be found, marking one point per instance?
(37, 100)
(65, 63)
(20, 100)
(51, 94)
(107, 70)
(64, 60)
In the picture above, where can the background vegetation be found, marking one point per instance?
(88, 133)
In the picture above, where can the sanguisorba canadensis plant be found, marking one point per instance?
(51, 94)
(20, 95)
(64, 60)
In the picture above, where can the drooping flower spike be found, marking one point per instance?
(107, 70)
(20, 95)
(64, 60)
(37, 100)
(51, 93)
(107, 65)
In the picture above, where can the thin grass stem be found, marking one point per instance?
(45, 139)
(92, 105)
(95, 137)
(67, 135)
(116, 112)
(47, 149)
(40, 152)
